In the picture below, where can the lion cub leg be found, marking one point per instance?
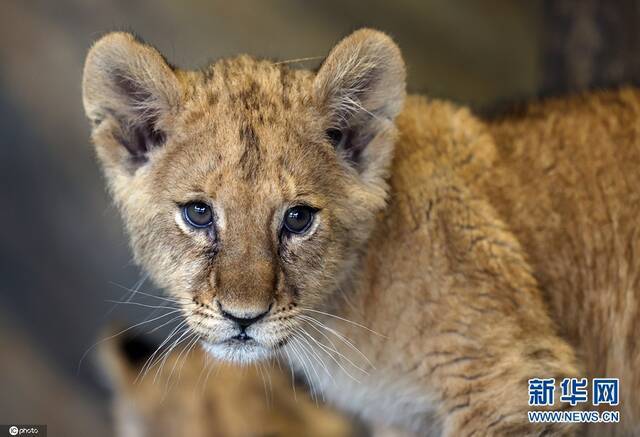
(490, 335)
(482, 330)
(476, 361)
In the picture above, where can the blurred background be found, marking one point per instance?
(63, 254)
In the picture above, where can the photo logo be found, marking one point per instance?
(23, 430)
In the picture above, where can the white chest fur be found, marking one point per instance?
(377, 396)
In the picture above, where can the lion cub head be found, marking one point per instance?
(248, 189)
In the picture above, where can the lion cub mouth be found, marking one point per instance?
(241, 339)
(241, 349)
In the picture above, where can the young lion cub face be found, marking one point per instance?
(248, 189)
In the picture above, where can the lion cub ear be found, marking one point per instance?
(130, 94)
(360, 89)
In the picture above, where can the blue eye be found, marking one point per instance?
(298, 219)
(197, 214)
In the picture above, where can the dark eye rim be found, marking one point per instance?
(338, 137)
(190, 222)
(312, 210)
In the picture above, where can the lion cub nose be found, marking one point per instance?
(243, 320)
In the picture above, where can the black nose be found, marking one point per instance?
(243, 322)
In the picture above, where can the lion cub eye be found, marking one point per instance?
(338, 137)
(298, 219)
(197, 214)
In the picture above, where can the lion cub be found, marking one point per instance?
(197, 397)
(416, 264)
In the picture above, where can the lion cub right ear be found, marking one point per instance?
(130, 94)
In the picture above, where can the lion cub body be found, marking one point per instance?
(447, 260)
(494, 222)
(192, 395)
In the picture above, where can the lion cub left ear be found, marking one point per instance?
(360, 89)
(130, 94)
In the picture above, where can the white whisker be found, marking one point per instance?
(165, 324)
(315, 354)
(144, 305)
(290, 61)
(135, 291)
(130, 291)
(186, 350)
(167, 384)
(84, 355)
(150, 361)
(328, 352)
(186, 335)
(293, 376)
(301, 359)
(341, 337)
(306, 353)
(344, 320)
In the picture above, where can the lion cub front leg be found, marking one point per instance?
(493, 337)
(478, 361)
(482, 330)
(492, 399)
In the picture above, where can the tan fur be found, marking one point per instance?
(477, 253)
(193, 395)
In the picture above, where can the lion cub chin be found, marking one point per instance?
(416, 264)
